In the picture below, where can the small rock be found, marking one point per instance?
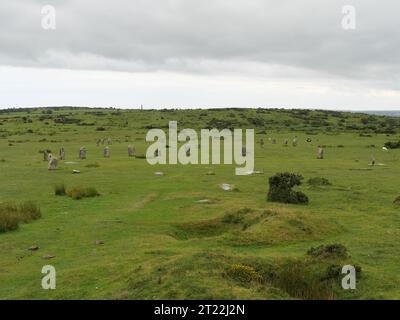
(204, 201)
(48, 256)
(33, 248)
(159, 173)
(99, 242)
(226, 186)
(76, 172)
(210, 173)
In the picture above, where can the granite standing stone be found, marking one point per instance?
(62, 153)
(82, 153)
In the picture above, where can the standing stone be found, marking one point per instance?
(98, 141)
(52, 162)
(273, 141)
(109, 141)
(82, 153)
(62, 153)
(187, 151)
(285, 142)
(45, 155)
(294, 142)
(320, 154)
(106, 152)
(244, 152)
(157, 153)
(131, 151)
(262, 143)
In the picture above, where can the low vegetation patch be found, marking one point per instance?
(59, 190)
(392, 144)
(78, 193)
(11, 215)
(328, 251)
(318, 181)
(244, 273)
(238, 277)
(280, 188)
(92, 165)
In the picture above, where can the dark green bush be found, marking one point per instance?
(280, 188)
(392, 144)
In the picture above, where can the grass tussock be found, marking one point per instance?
(59, 190)
(92, 165)
(78, 193)
(11, 215)
(328, 251)
(318, 181)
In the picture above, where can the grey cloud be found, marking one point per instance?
(208, 36)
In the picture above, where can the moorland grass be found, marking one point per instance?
(160, 242)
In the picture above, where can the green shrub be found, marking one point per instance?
(59, 190)
(317, 181)
(77, 193)
(328, 251)
(280, 188)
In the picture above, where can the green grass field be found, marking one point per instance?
(161, 241)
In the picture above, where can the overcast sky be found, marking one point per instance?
(200, 53)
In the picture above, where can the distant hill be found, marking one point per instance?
(393, 113)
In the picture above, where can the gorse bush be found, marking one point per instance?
(59, 190)
(280, 188)
(77, 193)
(11, 214)
(244, 274)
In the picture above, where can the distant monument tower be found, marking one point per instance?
(141, 107)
